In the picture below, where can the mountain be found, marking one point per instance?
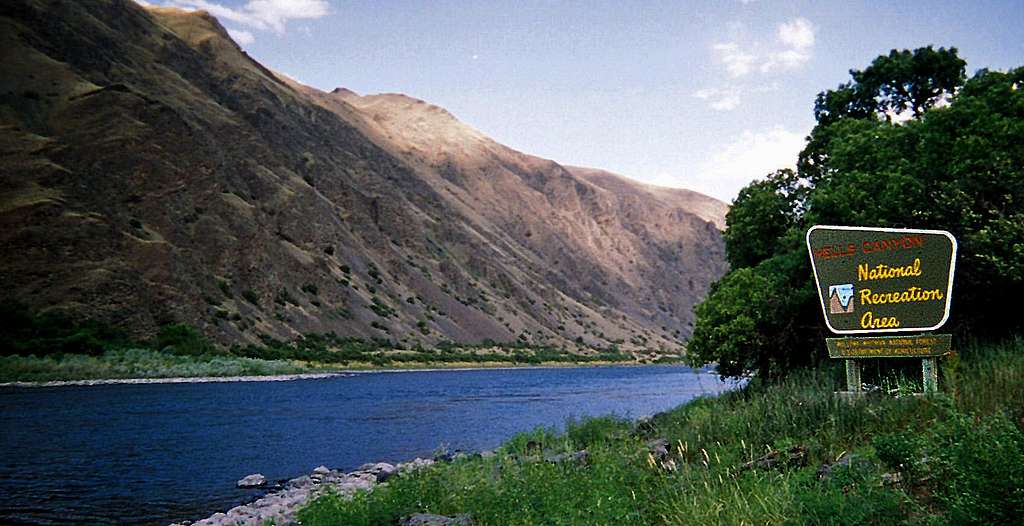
(154, 173)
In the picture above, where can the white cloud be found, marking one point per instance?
(241, 37)
(738, 63)
(264, 15)
(797, 33)
(725, 99)
(797, 39)
(727, 103)
(793, 47)
(785, 60)
(752, 155)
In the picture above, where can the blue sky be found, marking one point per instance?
(706, 95)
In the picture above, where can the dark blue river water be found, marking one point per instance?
(157, 453)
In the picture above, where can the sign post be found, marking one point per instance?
(883, 282)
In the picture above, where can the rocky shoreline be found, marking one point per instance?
(282, 505)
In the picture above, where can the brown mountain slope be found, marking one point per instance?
(154, 173)
(647, 252)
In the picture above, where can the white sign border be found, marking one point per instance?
(817, 284)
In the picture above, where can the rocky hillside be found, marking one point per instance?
(154, 173)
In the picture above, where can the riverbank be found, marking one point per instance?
(178, 380)
(142, 366)
(788, 453)
(134, 365)
(309, 376)
(49, 348)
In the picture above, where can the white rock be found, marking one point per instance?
(252, 481)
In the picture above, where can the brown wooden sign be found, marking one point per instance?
(882, 280)
(923, 346)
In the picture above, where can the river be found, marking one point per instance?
(157, 453)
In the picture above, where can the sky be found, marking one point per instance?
(705, 95)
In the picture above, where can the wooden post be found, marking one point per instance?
(853, 383)
(930, 374)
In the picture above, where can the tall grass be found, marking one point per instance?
(135, 363)
(953, 458)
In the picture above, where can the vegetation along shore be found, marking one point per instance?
(53, 350)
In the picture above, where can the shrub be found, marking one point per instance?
(224, 287)
(381, 309)
(251, 297)
(183, 340)
(284, 298)
(979, 469)
(22, 333)
(900, 451)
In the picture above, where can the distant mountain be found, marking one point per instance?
(154, 173)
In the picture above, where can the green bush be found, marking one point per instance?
(977, 468)
(22, 333)
(900, 451)
(251, 296)
(181, 339)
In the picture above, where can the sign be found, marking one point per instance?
(890, 346)
(882, 280)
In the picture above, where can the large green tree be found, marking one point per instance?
(957, 166)
(762, 214)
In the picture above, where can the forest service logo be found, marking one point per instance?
(840, 299)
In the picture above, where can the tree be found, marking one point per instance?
(893, 83)
(848, 101)
(913, 80)
(902, 80)
(760, 216)
(730, 322)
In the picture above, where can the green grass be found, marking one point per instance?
(136, 363)
(960, 456)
